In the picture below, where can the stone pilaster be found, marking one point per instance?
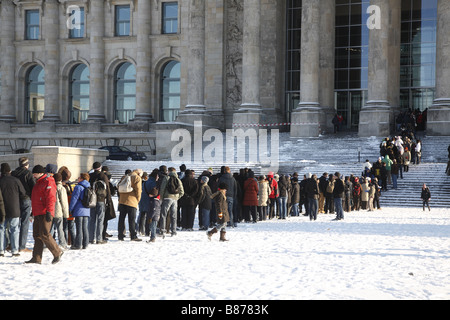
(50, 23)
(439, 113)
(144, 60)
(195, 109)
(97, 63)
(306, 117)
(250, 110)
(377, 116)
(7, 64)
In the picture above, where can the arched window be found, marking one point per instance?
(79, 94)
(125, 93)
(170, 92)
(35, 92)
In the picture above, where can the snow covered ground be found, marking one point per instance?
(389, 254)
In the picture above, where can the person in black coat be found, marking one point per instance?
(12, 191)
(338, 195)
(188, 201)
(323, 182)
(26, 178)
(425, 196)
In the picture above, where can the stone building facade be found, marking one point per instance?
(88, 73)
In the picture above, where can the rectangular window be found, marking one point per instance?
(170, 17)
(32, 24)
(77, 24)
(123, 21)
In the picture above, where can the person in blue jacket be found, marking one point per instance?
(80, 212)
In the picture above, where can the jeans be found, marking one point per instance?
(338, 208)
(25, 214)
(313, 206)
(124, 211)
(96, 222)
(394, 181)
(205, 218)
(169, 206)
(283, 207)
(58, 227)
(230, 210)
(14, 232)
(153, 225)
(295, 210)
(69, 230)
(82, 236)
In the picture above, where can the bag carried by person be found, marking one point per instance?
(173, 185)
(100, 190)
(89, 199)
(124, 186)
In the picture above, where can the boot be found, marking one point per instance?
(210, 233)
(222, 236)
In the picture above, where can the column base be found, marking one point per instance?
(247, 116)
(376, 119)
(306, 121)
(193, 113)
(438, 118)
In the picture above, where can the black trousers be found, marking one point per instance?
(125, 211)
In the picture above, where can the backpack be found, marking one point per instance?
(173, 185)
(330, 187)
(124, 186)
(89, 199)
(100, 190)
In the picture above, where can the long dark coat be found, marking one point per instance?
(250, 192)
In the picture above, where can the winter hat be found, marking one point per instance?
(308, 175)
(205, 179)
(51, 168)
(23, 161)
(96, 165)
(5, 168)
(38, 169)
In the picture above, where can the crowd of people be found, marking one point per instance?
(76, 213)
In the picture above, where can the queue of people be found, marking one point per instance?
(72, 215)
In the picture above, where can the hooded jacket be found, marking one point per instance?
(76, 207)
(221, 206)
(26, 177)
(163, 189)
(43, 196)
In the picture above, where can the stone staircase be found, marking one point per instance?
(344, 153)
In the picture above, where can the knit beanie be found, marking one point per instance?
(38, 169)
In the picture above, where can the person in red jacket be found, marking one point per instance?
(250, 201)
(273, 185)
(43, 200)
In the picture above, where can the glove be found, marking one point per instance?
(48, 216)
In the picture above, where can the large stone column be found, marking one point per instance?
(50, 22)
(97, 63)
(439, 113)
(250, 110)
(327, 64)
(7, 64)
(305, 118)
(377, 116)
(143, 73)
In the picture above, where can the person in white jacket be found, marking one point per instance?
(61, 211)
